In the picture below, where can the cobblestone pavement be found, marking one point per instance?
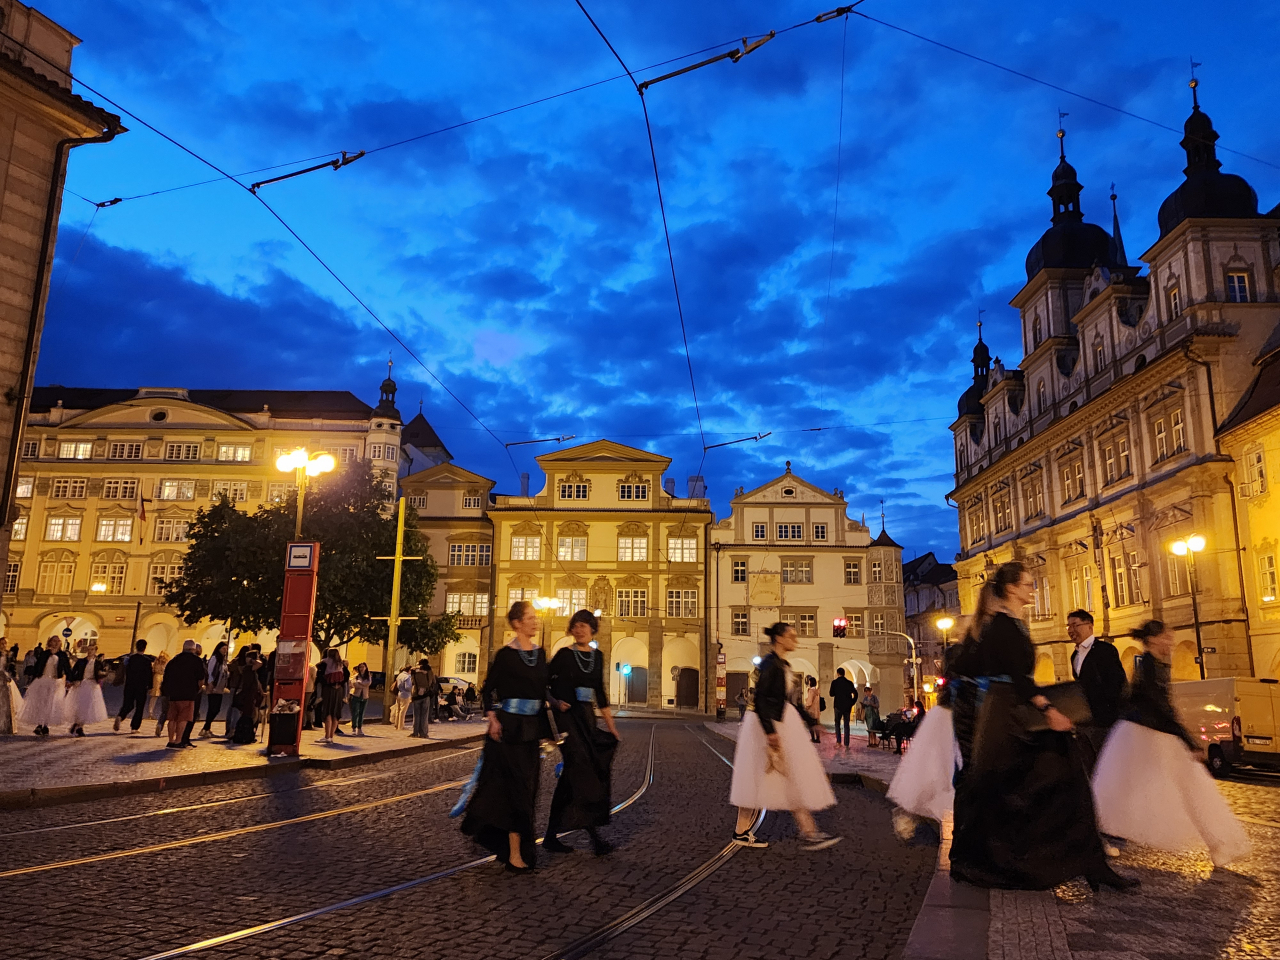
(837, 758)
(857, 899)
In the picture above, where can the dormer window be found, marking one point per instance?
(1175, 302)
(997, 430)
(1042, 397)
(1099, 357)
(1037, 333)
(1237, 287)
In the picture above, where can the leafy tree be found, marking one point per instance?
(234, 567)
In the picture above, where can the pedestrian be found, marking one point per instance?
(813, 707)
(331, 682)
(775, 766)
(28, 672)
(1095, 664)
(137, 671)
(471, 698)
(10, 695)
(1150, 786)
(246, 699)
(159, 702)
(180, 685)
(503, 793)
(195, 713)
(741, 702)
(844, 694)
(361, 681)
(870, 714)
(583, 792)
(43, 703)
(423, 693)
(84, 702)
(404, 690)
(309, 699)
(235, 676)
(1024, 816)
(217, 678)
(922, 786)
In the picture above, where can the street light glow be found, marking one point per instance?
(1178, 548)
(291, 461)
(324, 463)
(98, 588)
(1195, 542)
(944, 623)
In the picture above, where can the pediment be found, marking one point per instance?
(444, 474)
(136, 414)
(773, 492)
(600, 452)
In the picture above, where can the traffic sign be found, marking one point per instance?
(1210, 649)
(66, 633)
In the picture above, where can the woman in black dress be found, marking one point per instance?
(1024, 817)
(499, 815)
(577, 687)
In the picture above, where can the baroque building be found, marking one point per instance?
(1102, 447)
(789, 552)
(930, 593)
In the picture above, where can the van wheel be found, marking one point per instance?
(1219, 766)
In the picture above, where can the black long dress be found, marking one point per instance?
(582, 797)
(1150, 704)
(1024, 817)
(507, 790)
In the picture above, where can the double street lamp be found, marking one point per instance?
(1189, 548)
(944, 624)
(304, 466)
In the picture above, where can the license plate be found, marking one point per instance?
(1258, 741)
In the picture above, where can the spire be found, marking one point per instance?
(1199, 136)
(1116, 239)
(981, 355)
(882, 515)
(1065, 189)
(387, 398)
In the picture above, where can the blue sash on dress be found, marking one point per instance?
(523, 708)
(585, 694)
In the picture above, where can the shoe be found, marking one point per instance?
(323, 740)
(602, 848)
(748, 839)
(79, 731)
(115, 727)
(206, 734)
(1111, 850)
(553, 844)
(511, 868)
(187, 743)
(819, 841)
(1106, 877)
(173, 746)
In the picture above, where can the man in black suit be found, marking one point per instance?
(844, 694)
(1096, 666)
(139, 673)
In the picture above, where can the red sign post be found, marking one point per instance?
(293, 648)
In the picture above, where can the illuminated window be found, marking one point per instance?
(238, 452)
(115, 528)
(75, 450)
(739, 571)
(633, 603)
(62, 528)
(571, 548)
(1175, 302)
(236, 490)
(124, 451)
(111, 575)
(69, 488)
(20, 529)
(120, 489)
(169, 530)
(176, 490)
(1238, 287)
(161, 575)
(526, 548)
(1267, 578)
(467, 604)
(682, 549)
(852, 572)
(1003, 511)
(570, 600)
(464, 662)
(279, 492)
(682, 603)
(632, 549)
(26, 486)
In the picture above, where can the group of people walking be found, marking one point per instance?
(60, 690)
(530, 706)
(1042, 781)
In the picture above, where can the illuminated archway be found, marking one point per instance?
(1184, 661)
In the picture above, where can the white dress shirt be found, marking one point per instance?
(1082, 651)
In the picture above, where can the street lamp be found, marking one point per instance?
(304, 466)
(543, 605)
(944, 624)
(1189, 548)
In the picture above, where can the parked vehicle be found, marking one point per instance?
(1235, 720)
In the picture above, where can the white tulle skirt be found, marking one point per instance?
(1149, 788)
(801, 785)
(43, 704)
(84, 704)
(15, 704)
(922, 783)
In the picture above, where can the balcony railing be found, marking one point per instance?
(470, 623)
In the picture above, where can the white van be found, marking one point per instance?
(1234, 719)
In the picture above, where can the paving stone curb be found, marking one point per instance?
(78, 793)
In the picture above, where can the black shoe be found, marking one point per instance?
(553, 844)
(1106, 877)
(601, 848)
(173, 746)
(79, 731)
(511, 868)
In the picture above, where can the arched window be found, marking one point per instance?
(1037, 333)
(1042, 397)
(962, 455)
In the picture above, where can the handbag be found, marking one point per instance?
(1067, 698)
(822, 703)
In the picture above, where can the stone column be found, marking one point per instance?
(656, 642)
(826, 673)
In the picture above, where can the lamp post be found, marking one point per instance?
(944, 624)
(543, 605)
(304, 467)
(1189, 548)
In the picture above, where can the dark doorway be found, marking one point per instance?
(687, 688)
(638, 686)
(734, 683)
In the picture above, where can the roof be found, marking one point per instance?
(90, 111)
(935, 573)
(1264, 392)
(418, 433)
(282, 404)
(884, 540)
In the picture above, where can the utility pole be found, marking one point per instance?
(393, 621)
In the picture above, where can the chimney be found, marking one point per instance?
(524, 484)
(669, 485)
(697, 487)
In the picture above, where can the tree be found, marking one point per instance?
(234, 568)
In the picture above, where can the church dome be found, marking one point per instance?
(971, 401)
(1070, 243)
(1207, 191)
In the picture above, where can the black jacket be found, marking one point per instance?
(771, 694)
(843, 693)
(42, 659)
(1149, 702)
(139, 671)
(183, 677)
(1102, 679)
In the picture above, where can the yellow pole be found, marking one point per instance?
(302, 492)
(393, 622)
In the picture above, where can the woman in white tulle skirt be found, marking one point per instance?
(84, 702)
(922, 784)
(1149, 785)
(43, 703)
(775, 765)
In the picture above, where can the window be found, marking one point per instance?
(1175, 302)
(62, 528)
(464, 663)
(1119, 581)
(11, 572)
(347, 454)
(169, 530)
(855, 623)
(573, 491)
(1266, 579)
(120, 490)
(1003, 513)
(1072, 481)
(1178, 581)
(1037, 333)
(853, 572)
(1109, 462)
(30, 449)
(877, 571)
(797, 571)
(962, 455)
(741, 623)
(1099, 358)
(633, 491)
(161, 574)
(69, 488)
(1237, 287)
(571, 548)
(176, 490)
(977, 525)
(467, 604)
(237, 490)
(1034, 492)
(571, 600)
(20, 528)
(759, 531)
(682, 549)
(418, 503)
(1042, 397)
(1122, 454)
(632, 549)
(109, 575)
(1088, 588)
(1042, 604)
(114, 528)
(375, 451)
(526, 548)
(468, 503)
(1162, 439)
(516, 593)
(182, 451)
(819, 531)
(26, 486)
(633, 603)
(1135, 585)
(279, 492)
(997, 430)
(791, 531)
(807, 625)
(239, 452)
(1179, 432)
(56, 577)
(877, 623)
(75, 450)
(124, 451)
(484, 556)
(469, 554)
(739, 571)
(682, 603)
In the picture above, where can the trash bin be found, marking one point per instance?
(283, 729)
(720, 712)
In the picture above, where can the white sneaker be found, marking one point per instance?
(748, 839)
(818, 841)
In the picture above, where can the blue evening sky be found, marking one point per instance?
(522, 257)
